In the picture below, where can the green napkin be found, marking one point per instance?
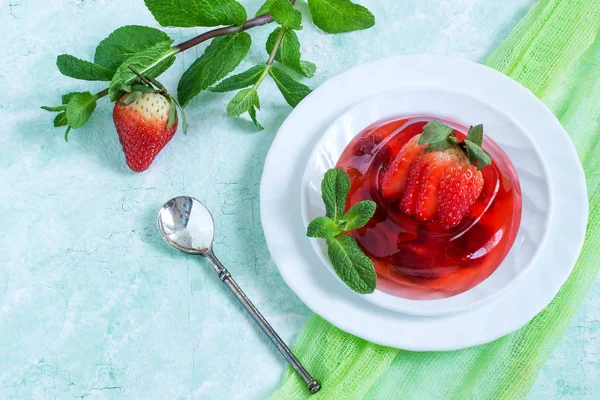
(555, 52)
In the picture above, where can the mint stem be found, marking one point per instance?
(228, 30)
(276, 46)
(272, 56)
(102, 93)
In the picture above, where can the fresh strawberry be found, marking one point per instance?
(143, 127)
(437, 177)
(394, 179)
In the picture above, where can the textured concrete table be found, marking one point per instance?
(92, 304)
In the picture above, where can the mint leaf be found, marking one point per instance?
(125, 42)
(289, 52)
(334, 190)
(239, 81)
(337, 16)
(220, 58)
(245, 101)
(54, 108)
(80, 69)
(190, 13)
(322, 227)
(60, 119)
(353, 267)
(292, 90)
(477, 155)
(264, 9)
(437, 136)
(308, 68)
(358, 215)
(67, 133)
(284, 13)
(252, 113)
(80, 108)
(66, 98)
(475, 134)
(150, 62)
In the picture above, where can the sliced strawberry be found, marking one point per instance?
(394, 179)
(441, 184)
(410, 195)
(459, 189)
(437, 162)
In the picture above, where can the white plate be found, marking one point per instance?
(304, 272)
(463, 110)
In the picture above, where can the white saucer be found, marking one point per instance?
(464, 110)
(305, 273)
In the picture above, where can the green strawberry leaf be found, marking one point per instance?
(245, 100)
(150, 62)
(284, 13)
(184, 124)
(125, 42)
(60, 119)
(80, 108)
(172, 113)
(191, 13)
(76, 68)
(264, 9)
(358, 215)
(337, 16)
(239, 81)
(292, 90)
(334, 189)
(220, 58)
(322, 227)
(475, 134)
(353, 267)
(289, 52)
(131, 97)
(477, 156)
(438, 136)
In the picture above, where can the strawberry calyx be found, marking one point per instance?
(439, 137)
(150, 85)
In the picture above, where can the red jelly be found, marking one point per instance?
(422, 260)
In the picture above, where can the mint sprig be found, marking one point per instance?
(151, 52)
(473, 143)
(350, 263)
(439, 137)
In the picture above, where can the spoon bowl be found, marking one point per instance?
(186, 225)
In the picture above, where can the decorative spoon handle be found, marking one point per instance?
(313, 385)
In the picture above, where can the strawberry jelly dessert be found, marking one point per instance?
(441, 226)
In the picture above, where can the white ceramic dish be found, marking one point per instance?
(305, 273)
(464, 110)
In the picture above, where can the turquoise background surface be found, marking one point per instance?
(92, 304)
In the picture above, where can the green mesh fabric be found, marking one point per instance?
(555, 52)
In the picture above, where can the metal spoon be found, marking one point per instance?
(186, 225)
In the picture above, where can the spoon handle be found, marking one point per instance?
(313, 385)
